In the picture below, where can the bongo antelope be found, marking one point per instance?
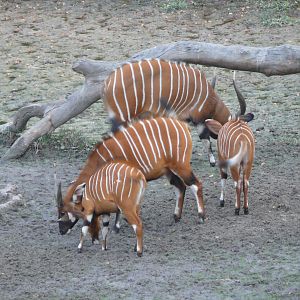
(158, 146)
(114, 186)
(154, 85)
(235, 150)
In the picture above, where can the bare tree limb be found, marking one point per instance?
(280, 60)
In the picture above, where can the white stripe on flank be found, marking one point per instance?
(171, 84)
(110, 154)
(178, 140)
(200, 92)
(132, 146)
(129, 193)
(113, 176)
(119, 178)
(95, 182)
(195, 85)
(168, 134)
(185, 137)
(143, 81)
(178, 86)
(140, 192)
(154, 138)
(117, 142)
(151, 82)
(183, 87)
(97, 186)
(207, 93)
(90, 185)
(102, 157)
(142, 145)
(230, 137)
(124, 181)
(160, 85)
(101, 187)
(183, 105)
(125, 95)
(110, 182)
(160, 138)
(115, 99)
(106, 178)
(134, 88)
(148, 139)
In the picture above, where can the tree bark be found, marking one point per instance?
(280, 60)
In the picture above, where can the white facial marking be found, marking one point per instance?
(89, 217)
(71, 217)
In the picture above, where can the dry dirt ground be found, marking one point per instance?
(229, 257)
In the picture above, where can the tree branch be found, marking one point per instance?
(280, 60)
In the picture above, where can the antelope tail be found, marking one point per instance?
(235, 159)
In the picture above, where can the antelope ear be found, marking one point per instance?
(213, 125)
(248, 117)
(78, 193)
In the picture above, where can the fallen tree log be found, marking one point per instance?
(280, 60)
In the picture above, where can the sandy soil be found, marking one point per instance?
(228, 257)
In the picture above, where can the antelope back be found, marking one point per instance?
(140, 86)
(116, 181)
(152, 145)
(230, 137)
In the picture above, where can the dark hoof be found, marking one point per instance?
(222, 203)
(212, 164)
(139, 254)
(116, 229)
(237, 211)
(176, 218)
(79, 250)
(246, 211)
(201, 218)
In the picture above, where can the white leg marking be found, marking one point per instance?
(80, 245)
(212, 159)
(223, 181)
(134, 227)
(195, 190)
(104, 231)
(84, 230)
(89, 217)
(138, 246)
(176, 212)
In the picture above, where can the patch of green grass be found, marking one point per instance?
(277, 12)
(64, 140)
(173, 5)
